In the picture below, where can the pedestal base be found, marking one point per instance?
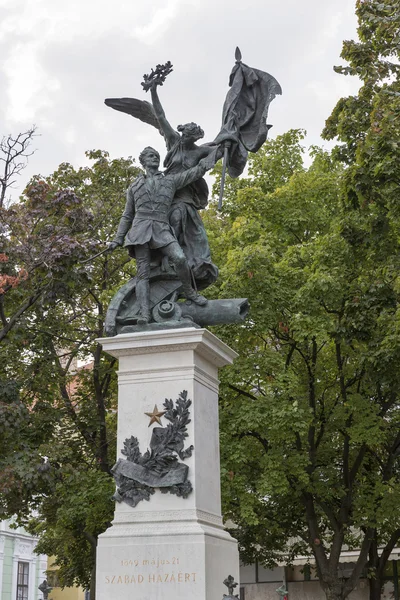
(169, 560)
(170, 547)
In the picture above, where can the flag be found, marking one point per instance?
(245, 111)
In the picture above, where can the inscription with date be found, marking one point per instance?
(151, 562)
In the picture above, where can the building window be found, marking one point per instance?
(22, 581)
(307, 572)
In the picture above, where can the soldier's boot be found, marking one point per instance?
(194, 296)
(183, 272)
(143, 296)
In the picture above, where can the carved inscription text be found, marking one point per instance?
(179, 577)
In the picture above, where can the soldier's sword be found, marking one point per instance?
(95, 256)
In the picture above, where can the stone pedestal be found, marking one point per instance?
(169, 548)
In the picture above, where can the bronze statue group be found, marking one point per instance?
(161, 221)
(161, 226)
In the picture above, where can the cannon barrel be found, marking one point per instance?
(216, 312)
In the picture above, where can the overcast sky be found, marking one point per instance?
(60, 59)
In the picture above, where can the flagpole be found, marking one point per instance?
(224, 165)
(238, 58)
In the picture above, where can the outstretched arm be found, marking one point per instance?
(171, 136)
(195, 173)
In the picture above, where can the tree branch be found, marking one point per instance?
(90, 538)
(257, 436)
(314, 535)
(102, 451)
(12, 150)
(2, 313)
(351, 582)
(67, 400)
(386, 552)
(13, 320)
(242, 392)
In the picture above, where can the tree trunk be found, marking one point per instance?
(93, 583)
(334, 592)
(333, 588)
(375, 588)
(93, 542)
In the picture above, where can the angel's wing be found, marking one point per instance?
(140, 109)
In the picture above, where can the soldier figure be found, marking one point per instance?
(144, 225)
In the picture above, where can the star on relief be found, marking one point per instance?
(155, 416)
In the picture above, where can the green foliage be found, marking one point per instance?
(42, 237)
(310, 410)
(374, 59)
(77, 512)
(64, 421)
(367, 126)
(22, 468)
(271, 168)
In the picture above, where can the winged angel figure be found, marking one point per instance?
(182, 153)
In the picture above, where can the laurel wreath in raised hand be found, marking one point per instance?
(157, 76)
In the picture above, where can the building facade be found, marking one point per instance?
(301, 582)
(59, 593)
(21, 570)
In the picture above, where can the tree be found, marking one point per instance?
(40, 239)
(327, 307)
(368, 128)
(14, 154)
(310, 410)
(74, 502)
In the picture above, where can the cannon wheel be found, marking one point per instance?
(123, 309)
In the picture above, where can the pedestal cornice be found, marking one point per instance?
(201, 341)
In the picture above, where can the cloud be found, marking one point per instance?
(29, 87)
(60, 60)
(159, 22)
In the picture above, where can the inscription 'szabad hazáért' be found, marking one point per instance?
(179, 577)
